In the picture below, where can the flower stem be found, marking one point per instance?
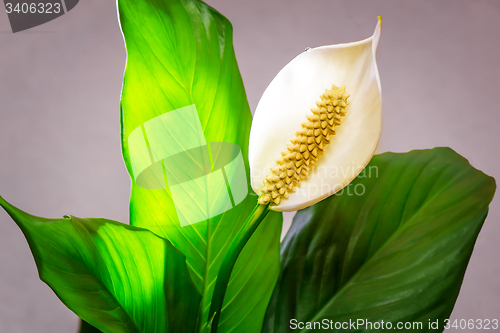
(251, 224)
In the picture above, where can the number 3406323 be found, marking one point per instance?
(478, 324)
(33, 8)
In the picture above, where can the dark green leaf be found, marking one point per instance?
(116, 277)
(397, 253)
(87, 328)
(180, 53)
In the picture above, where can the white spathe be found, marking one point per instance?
(289, 98)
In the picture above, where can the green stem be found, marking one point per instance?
(251, 224)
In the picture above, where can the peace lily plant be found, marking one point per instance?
(395, 253)
(334, 132)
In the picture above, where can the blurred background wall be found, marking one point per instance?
(59, 115)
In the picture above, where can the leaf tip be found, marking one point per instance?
(5, 205)
(21, 218)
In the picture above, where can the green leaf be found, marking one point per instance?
(397, 253)
(115, 277)
(87, 328)
(180, 54)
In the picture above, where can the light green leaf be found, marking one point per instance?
(179, 55)
(397, 252)
(115, 277)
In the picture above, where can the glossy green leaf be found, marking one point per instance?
(179, 54)
(393, 246)
(116, 277)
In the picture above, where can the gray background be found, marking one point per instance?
(59, 116)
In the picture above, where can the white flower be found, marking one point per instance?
(346, 124)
